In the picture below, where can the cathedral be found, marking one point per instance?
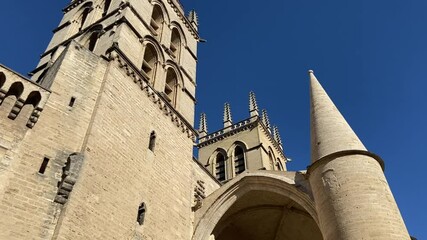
(98, 144)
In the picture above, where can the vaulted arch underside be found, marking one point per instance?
(260, 205)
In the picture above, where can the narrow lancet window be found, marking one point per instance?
(175, 46)
(142, 209)
(170, 86)
(152, 143)
(220, 167)
(149, 63)
(92, 41)
(157, 20)
(239, 160)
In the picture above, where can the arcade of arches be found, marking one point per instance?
(261, 205)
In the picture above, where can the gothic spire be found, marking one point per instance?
(330, 132)
(276, 135)
(203, 126)
(227, 115)
(265, 119)
(253, 106)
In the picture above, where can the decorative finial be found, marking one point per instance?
(276, 135)
(203, 126)
(265, 119)
(193, 17)
(310, 72)
(253, 106)
(227, 115)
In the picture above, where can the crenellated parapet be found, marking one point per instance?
(17, 92)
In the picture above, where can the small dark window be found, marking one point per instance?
(72, 101)
(239, 160)
(152, 143)
(141, 214)
(278, 167)
(220, 167)
(92, 41)
(44, 165)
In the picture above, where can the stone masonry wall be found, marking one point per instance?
(27, 209)
(120, 172)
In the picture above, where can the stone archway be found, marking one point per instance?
(260, 205)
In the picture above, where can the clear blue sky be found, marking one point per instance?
(370, 56)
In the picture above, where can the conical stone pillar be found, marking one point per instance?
(351, 193)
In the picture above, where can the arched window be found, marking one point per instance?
(107, 4)
(157, 20)
(149, 63)
(271, 159)
(239, 160)
(90, 39)
(85, 10)
(220, 167)
(278, 165)
(2, 79)
(152, 143)
(142, 209)
(175, 46)
(171, 85)
(93, 39)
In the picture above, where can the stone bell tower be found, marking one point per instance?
(251, 144)
(98, 143)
